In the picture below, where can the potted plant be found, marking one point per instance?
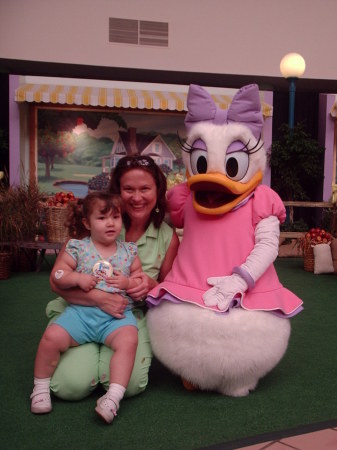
(20, 208)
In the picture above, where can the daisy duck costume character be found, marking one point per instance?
(220, 319)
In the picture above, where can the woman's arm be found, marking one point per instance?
(111, 303)
(136, 268)
(169, 257)
(149, 283)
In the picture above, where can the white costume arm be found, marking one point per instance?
(264, 253)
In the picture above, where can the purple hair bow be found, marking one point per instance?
(245, 108)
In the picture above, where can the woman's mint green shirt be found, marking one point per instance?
(152, 247)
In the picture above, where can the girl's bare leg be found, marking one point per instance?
(55, 340)
(124, 343)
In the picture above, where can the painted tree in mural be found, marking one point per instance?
(56, 139)
(53, 144)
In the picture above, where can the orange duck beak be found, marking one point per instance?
(215, 194)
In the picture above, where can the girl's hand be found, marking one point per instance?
(143, 286)
(86, 281)
(118, 280)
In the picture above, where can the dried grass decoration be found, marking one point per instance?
(56, 215)
(5, 265)
(20, 210)
(313, 237)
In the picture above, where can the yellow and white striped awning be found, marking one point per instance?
(114, 97)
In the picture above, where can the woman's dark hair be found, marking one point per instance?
(83, 208)
(147, 164)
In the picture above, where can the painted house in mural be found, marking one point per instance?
(132, 143)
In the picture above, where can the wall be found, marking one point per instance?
(213, 36)
(326, 138)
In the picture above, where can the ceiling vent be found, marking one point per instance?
(138, 32)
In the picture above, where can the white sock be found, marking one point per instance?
(41, 384)
(116, 393)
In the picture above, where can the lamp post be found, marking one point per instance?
(292, 66)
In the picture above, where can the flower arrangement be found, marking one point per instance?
(316, 236)
(61, 199)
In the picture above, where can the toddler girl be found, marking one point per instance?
(98, 261)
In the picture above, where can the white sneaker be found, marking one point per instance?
(41, 402)
(107, 408)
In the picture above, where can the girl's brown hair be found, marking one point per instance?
(147, 164)
(83, 208)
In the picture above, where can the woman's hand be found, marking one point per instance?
(113, 304)
(144, 285)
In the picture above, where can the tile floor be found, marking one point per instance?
(317, 440)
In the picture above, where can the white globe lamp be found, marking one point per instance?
(292, 67)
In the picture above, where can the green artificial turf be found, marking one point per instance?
(300, 391)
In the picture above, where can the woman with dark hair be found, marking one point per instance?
(142, 187)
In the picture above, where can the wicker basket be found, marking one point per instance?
(55, 219)
(308, 254)
(5, 265)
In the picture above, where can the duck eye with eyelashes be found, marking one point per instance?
(236, 165)
(198, 160)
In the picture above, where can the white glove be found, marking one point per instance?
(265, 251)
(224, 290)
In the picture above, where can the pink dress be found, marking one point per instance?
(213, 245)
